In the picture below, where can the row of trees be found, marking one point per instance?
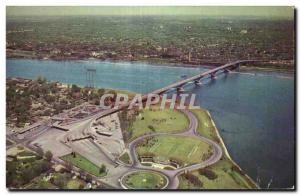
(209, 174)
(127, 117)
(193, 179)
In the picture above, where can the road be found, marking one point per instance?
(172, 175)
(80, 127)
(190, 132)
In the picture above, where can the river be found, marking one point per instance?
(254, 111)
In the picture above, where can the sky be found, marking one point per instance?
(264, 11)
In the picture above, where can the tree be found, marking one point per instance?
(45, 166)
(48, 155)
(193, 179)
(102, 169)
(69, 166)
(50, 98)
(81, 186)
(208, 173)
(89, 178)
(75, 89)
(41, 80)
(40, 151)
(100, 92)
(61, 180)
(151, 128)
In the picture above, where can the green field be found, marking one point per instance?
(228, 177)
(205, 126)
(83, 163)
(144, 180)
(187, 150)
(125, 158)
(75, 184)
(162, 120)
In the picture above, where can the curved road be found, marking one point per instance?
(172, 175)
(191, 132)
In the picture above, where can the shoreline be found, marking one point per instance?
(226, 151)
(154, 62)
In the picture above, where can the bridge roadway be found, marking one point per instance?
(178, 84)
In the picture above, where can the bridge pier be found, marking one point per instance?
(226, 70)
(198, 82)
(180, 89)
(213, 75)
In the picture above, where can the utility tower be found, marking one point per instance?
(90, 75)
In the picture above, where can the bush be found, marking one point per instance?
(61, 180)
(209, 174)
(102, 169)
(151, 128)
(48, 156)
(75, 89)
(236, 169)
(193, 179)
(40, 151)
(177, 161)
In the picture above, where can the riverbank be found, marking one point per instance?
(227, 153)
(279, 66)
(225, 174)
(247, 111)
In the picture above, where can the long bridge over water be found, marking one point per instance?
(196, 79)
(179, 84)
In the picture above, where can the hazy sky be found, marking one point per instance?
(286, 12)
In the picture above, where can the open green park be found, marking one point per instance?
(155, 120)
(190, 150)
(226, 174)
(83, 163)
(144, 180)
(183, 149)
(205, 125)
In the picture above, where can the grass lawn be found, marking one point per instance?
(75, 184)
(125, 158)
(145, 180)
(205, 126)
(189, 150)
(228, 178)
(162, 120)
(83, 163)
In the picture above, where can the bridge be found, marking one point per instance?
(179, 84)
(196, 79)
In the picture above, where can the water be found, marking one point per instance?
(254, 112)
(124, 75)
